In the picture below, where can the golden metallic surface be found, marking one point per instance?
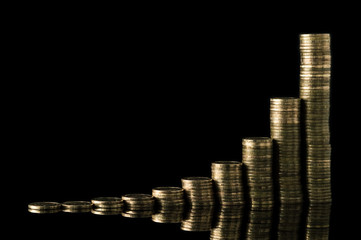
(40, 211)
(76, 204)
(107, 202)
(44, 206)
(106, 211)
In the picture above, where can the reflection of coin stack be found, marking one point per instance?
(44, 207)
(318, 221)
(169, 204)
(138, 205)
(257, 158)
(319, 173)
(315, 77)
(198, 191)
(227, 178)
(228, 222)
(285, 130)
(198, 219)
(76, 206)
(259, 223)
(289, 221)
(107, 206)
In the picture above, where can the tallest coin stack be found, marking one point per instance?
(315, 77)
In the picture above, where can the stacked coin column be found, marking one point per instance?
(200, 198)
(198, 191)
(257, 158)
(315, 76)
(285, 131)
(227, 178)
(138, 205)
(169, 204)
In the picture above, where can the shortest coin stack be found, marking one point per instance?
(107, 205)
(227, 177)
(198, 191)
(76, 206)
(138, 205)
(169, 204)
(44, 207)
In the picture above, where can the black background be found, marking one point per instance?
(121, 100)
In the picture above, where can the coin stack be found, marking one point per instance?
(228, 222)
(44, 207)
(227, 178)
(138, 205)
(259, 223)
(198, 191)
(289, 221)
(169, 204)
(315, 78)
(198, 219)
(285, 131)
(318, 221)
(319, 173)
(107, 205)
(76, 206)
(257, 158)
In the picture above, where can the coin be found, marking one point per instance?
(138, 202)
(198, 190)
(315, 78)
(106, 211)
(286, 132)
(107, 202)
(257, 158)
(44, 206)
(227, 178)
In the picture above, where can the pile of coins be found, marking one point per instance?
(289, 221)
(198, 191)
(198, 219)
(227, 178)
(138, 205)
(318, 221)
(315, 78)
(107, 205)
(169, 204)
(259, 223)
(318, 166)
(286, 133)
(228, 222)
(257, 158)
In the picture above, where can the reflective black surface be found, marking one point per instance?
(122, 104)
(295, 221)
